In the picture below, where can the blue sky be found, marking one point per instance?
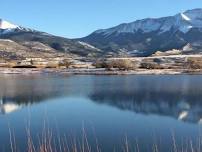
(78, 18)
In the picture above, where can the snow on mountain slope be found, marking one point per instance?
(182, 22)
(185, 17)
(88, 45)
(146, 25)
(7, 28)
(149, 35)
(45, 44)
(6, 25)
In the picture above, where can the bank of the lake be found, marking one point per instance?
(98, 71)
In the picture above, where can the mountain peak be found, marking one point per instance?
(6, 25)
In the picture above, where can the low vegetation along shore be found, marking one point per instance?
(173, 64)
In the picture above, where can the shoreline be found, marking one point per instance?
(100, 71)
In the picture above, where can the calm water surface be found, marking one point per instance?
(145, 110)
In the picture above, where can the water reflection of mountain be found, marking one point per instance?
(27, 88)
(175, 96)
(13, 102)
(9, 107)
(17, 91)
(9, 104)
(179, 97)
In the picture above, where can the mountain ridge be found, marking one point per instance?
(139, 38)
(26, 38)
(178, 16)
(149, 35)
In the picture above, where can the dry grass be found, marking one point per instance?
(47, 142)
(121, 64)
(194, 63)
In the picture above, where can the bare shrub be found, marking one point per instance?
(150, 65)
(100, 63)
(121, 64)
(194, 63)
(65, 63)
(51, 66)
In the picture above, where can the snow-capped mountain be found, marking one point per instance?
(24, 40)
(7, 28)
(6, 25)
(151, 34)
(182, 22)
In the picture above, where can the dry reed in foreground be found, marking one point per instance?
(49, 141)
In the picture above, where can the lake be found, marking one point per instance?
(142, 113)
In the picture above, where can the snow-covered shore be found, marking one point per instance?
(97, 71)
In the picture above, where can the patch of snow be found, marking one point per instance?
(87, 45)
(183, 115)
(6, 40)
(185, 17)
(185, 29)
(187, 47)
